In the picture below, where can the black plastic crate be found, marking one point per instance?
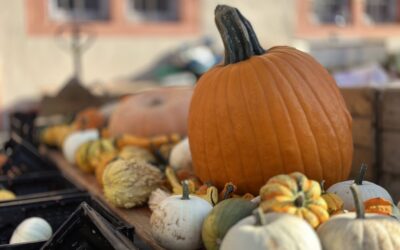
(23, 124)
(23, 158)
(40, 184)
(87, 229)
(55, 210)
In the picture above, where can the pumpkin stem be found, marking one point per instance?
(240, 40)
(361, 175)
(299, 201)
(259, 216)
(185, 190)
(360, 211)
(229, 189)
(322, 184)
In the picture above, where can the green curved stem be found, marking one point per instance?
(360, 211)
(361, 175)
(185, 190)
(238, 36)
(259, 216)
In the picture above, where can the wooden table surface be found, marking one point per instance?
(139, 218)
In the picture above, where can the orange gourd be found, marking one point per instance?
(264, 113)
(89, 118)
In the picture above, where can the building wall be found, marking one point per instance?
(33, 65)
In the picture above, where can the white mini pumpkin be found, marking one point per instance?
(271, 231)
(360, 231)
(30, 230)
(180, 155)
(368, 190)
(74, 140)
(177, 222)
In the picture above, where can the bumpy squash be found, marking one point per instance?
(129, 183)
(265, 113)
(295, 194)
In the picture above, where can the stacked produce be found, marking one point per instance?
(267, 131)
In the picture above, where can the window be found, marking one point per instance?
(332, 12)
(381, 11)
(79, 10)
(153, 10)
(348, 18)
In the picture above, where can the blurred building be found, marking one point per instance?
(131, 34)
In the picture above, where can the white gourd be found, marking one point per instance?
(277, 231)
(368, 190)
(177, 222)
(30, 230)
(360, 231)
(180, 155)
(75, 139)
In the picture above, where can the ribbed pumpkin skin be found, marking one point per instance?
(272, 114)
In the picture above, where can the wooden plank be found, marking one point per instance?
(364, 132)
(360, 101)
(367, 156)
(390, 109)
(139, 218)
(391, 183)
(391, 152)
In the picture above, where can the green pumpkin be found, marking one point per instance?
(222, 217)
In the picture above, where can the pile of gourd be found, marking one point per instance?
(265, 130)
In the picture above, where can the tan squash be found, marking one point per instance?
(129, 183)
(155, 112)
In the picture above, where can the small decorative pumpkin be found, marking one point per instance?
(127, 153)
(129, 183)
(88, 156)
(177, 222)
(334, 202)
(355, 231)
(138, 153)
(271, 231)
(6, 195)
(265, 113)
(88, 118)
(295, 194)
(151, 113)
(368, 190)
(31, 230)
(180, 155)
(81, 158)
(104, 160)
(55, 135)
(98, 148)
(156, 197)
(222, 217)
(381, 206)
(74, 140)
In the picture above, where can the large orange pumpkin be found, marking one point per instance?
(151, 113)
(265, 113)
